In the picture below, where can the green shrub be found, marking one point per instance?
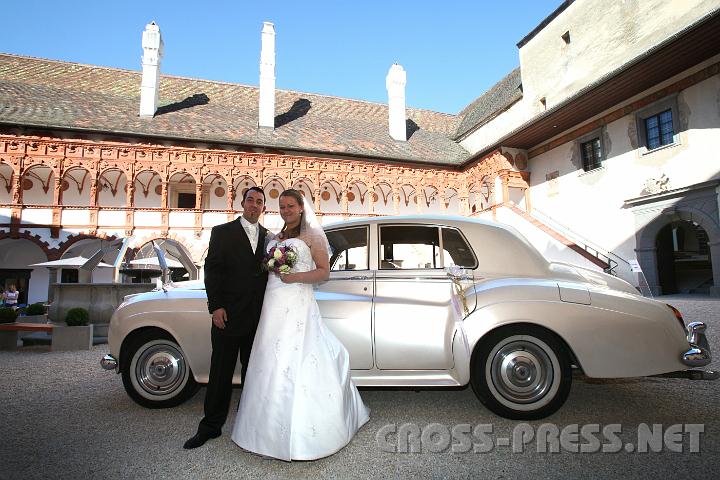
(77, 317)
(7, 315)
(35, 309)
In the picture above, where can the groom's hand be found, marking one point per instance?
(219, 317)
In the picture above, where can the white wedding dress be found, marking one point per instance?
(298, 401)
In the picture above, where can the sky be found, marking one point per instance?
(453, 51)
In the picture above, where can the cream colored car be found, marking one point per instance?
(511, 324)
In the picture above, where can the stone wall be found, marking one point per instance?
(99, 299)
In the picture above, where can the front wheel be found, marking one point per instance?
(154, 372)
(521, 372)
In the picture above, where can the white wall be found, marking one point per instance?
(591, 203)
(604, 35)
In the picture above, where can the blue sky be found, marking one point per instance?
(452, 51)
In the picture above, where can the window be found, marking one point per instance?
(186, 200)
(69, 275)
(591, 154)
(659, 130)
(590, 150)
(456, 250)
(418, 247)
(658, 125)
(409, 247)
(349, 248)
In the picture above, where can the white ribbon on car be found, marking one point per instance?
(459, 300)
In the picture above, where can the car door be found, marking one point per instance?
(414, 323)
(346, 298)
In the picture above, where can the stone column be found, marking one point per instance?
(396, 201)
(17, 193)
(230, 195)
(715, 258)
(647, 258)
(57, 193)
(164, 195)
(198, 195)
(345, 205)
(316, 198)
(130, 194)
(93, 191)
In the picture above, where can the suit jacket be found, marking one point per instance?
(234, 278)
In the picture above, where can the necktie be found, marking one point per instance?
(252, 232)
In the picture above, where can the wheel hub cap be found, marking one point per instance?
(521, 372)
(160, 369)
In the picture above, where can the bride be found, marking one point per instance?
(298, 401)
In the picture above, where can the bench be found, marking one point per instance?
(9, 332)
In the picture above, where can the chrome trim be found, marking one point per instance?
(699, 353)
(694, 330)
(696, 356)
(108, 362)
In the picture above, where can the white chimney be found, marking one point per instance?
(395, 84)
(267, 77)
(152, 55)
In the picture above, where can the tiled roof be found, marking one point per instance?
(55, 94)
(503, 94)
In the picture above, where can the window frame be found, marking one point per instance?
(367, 243)
(654, 109)
(598, 133)
(441, 246)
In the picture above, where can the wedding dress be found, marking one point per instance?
(298, 401)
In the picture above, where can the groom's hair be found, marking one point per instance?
(253, 189)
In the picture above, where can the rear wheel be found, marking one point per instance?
(521, 372)
(154, 371)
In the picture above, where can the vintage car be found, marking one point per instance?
(435, 301)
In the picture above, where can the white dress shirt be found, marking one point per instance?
(252, 230)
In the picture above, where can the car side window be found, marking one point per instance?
(456, 250)
(409, 247)
(349, 248)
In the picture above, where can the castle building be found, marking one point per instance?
(599, 148)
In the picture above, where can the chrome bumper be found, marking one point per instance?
(699, 353)
(108, 362)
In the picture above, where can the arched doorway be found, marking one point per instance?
(683, 258)
(16, 256)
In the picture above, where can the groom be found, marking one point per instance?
(235, 286)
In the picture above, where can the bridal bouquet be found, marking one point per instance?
(280, 259)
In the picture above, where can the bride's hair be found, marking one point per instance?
(295, 231)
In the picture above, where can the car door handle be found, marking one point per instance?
(359, 277)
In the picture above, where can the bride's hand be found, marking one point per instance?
(288, 277)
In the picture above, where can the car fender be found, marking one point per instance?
(617, 335)
(186, 319)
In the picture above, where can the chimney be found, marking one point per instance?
(395, 84)
(152, 55)
(267, 77)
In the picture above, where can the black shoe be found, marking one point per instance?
(198, 440)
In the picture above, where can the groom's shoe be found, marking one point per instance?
(198, 440)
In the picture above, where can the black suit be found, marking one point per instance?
(235, 281)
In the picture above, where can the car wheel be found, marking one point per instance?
(521, 372)
(154, 371)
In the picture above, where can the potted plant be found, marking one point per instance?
(35, 313)
(8, 315)
(76, 333)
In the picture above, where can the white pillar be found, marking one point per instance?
(152, 44)
(395, 84)
(267, 77)
(499, 197)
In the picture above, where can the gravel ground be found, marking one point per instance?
(61, 416)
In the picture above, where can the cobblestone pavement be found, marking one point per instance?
(61, 416)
